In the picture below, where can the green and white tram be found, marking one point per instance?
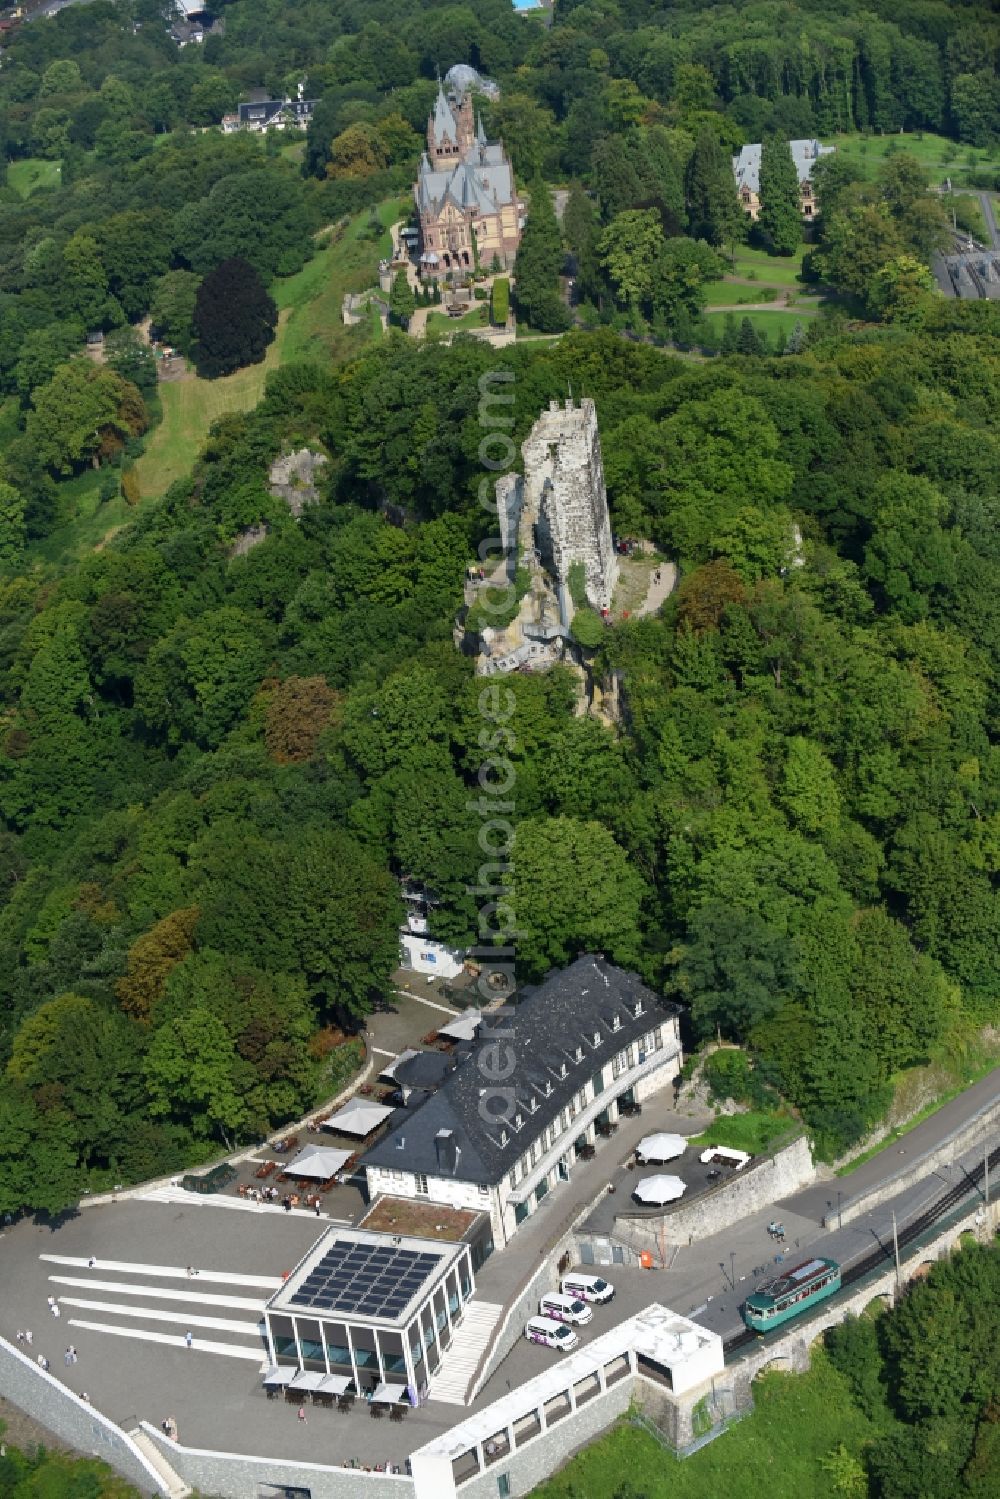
(790, 1293)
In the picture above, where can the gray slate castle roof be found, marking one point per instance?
(805, 154)
(560, 1033)
(481, 180)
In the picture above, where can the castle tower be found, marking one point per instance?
(561, 503)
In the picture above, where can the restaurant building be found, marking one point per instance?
(587, 1044)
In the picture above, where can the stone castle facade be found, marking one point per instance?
(467, 204)
(559, 509)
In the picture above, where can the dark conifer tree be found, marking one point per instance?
(714, 209)
(780, 219)
(234, 319)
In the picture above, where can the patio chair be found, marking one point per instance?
(396, 1413)
(375, 1411)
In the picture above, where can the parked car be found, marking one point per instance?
(552, 1334)
(587, 1288)
(562, 1308)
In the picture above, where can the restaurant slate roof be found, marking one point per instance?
(558, 1033)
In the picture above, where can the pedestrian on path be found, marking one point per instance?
(317, 1207)
(192, 1272)
(19, 1335)
(42, 1361)
(68, 1357)
(189, 1338)
(51, 1302)
(302, 1413)
(91, 1262)
(55, 1309)
(74, 1357)
(29, 1336)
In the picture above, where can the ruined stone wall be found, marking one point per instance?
(565, 498)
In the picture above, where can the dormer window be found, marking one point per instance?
(562, 1069)
(518, 1120)
(597, 1038)
(638, 1008)
(579, 1053)
(503, 1137)
(533, 1105)
(616, 1022)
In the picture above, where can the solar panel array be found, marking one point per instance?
(366, 1280)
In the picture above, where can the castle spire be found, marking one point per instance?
(480, 132)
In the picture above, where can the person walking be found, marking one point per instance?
(316, 1205)
(302, 1413)
(29, 1336)
(42, 1361)
(189, 1338)
(19, 1335)
(68, 1357)
(74, 1357)
(55, 1309)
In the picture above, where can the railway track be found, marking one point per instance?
(879, 1256)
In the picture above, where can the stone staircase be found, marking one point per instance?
(461, 1361)
(173, 1484)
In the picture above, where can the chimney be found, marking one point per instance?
(447, 1151)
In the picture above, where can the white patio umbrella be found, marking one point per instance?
(317, 1161)
(661, 1147)
(359, 1117)
(660, 1189)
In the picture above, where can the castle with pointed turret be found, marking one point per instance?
(467, 204)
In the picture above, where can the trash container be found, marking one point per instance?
(646, 1260)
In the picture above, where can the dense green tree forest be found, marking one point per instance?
(218, 757)
(25, 1475)
(928, 1374)
(214, 766)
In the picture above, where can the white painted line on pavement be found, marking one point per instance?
(429, 1002)
(201, 1345)
(217, 1324)
(126, 1288)
(179, 1272)
(381, 1052)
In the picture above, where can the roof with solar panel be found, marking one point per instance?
(364, 1276)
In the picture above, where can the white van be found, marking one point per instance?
(552, 1334)
(564, 1308)
(587, 1288)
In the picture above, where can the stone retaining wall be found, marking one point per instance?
(757, 1186)
(71, 1419)
(232, 1475)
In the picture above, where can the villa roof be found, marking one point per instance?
(805, 154)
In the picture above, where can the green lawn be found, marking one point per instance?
(775, 1453)
(725, 293)
(775, 270)
(755, 1131)
(942, 157)
(439, 322)
(763, 322)
(190, 407)
(24, 176)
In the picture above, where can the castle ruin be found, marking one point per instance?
(552, 517)
(559, 509)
